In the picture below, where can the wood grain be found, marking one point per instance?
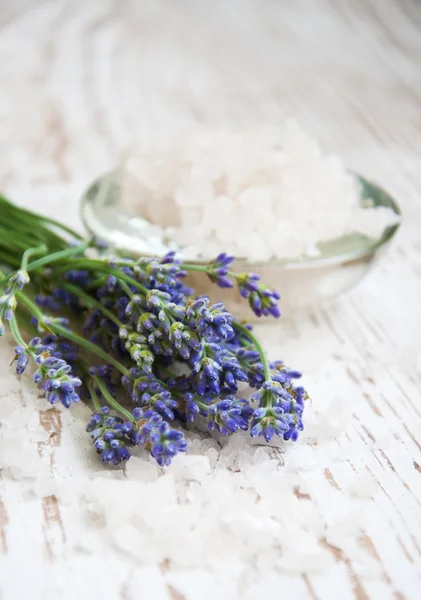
(4, 520)
(82, 84)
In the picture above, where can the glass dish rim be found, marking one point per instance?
(95, 227)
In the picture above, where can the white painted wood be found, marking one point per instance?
(82, 83)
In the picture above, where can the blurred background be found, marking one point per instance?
(82, 84)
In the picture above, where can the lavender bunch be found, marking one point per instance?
(129, 337)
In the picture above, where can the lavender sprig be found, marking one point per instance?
(110, 435)
(262, 300)
(146, 340)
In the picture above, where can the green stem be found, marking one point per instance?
(16, 333)
(112, 401)
(126, 289)
(205, 269)
(199, 268)
(10, 240)
(9, 260)
(201, 404)
(80, 341)
(30, 216)
(20, 231)
(32, 252)
(187, 267)
(63, 227)
(33, 308)
(70, 335)
(99, 265)
(259, 348)
(57, 256)
(94, 396)
(92, 303)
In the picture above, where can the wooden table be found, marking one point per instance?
(82, 83)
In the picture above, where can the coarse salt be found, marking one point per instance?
(265, 194)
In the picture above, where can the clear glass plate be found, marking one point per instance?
(303, 282)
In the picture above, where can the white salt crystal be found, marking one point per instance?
(258, 248)
(189, 467)
(262, 454)
(226, 223)
(213, 456)
(128, 539)
(255, 199)
(213, 213)
(265, 193)
(142, 469)
(262, 470)
(193, 193)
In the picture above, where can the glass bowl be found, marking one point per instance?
(302, 282)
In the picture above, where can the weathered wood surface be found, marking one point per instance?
(80, 83)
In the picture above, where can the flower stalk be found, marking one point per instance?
(130, 338)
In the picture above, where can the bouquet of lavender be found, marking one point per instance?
(129, 338)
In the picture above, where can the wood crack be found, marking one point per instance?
(340, 556)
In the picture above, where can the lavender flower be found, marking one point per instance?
(166, 443)
(96, 242)
(163, 404)
(79, 277)
(282, 374)
(48, 302)
(191, 407)
(104, 372)
(185, 341)
(43, 324)
(138, 346)
(110, 435)
(7, 306)
(212, 323)
(57, 300)
(281, 406)
(262, 300)
(142, 385)
(49, 346)
(54, 375)
(219, 270)
(92, 321)
(231, 373)
(268, 421)
(207, 379)
(151, 431)
(19, 279)
(165, 276)
(61, 348)
(270, 393)
(229, 415)
(181, 356)
(22, 359)
(146, 422)
(294, 429)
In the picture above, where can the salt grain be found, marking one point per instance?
(225, 519)
(142, 469)
(190, 467)
(265, 193)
